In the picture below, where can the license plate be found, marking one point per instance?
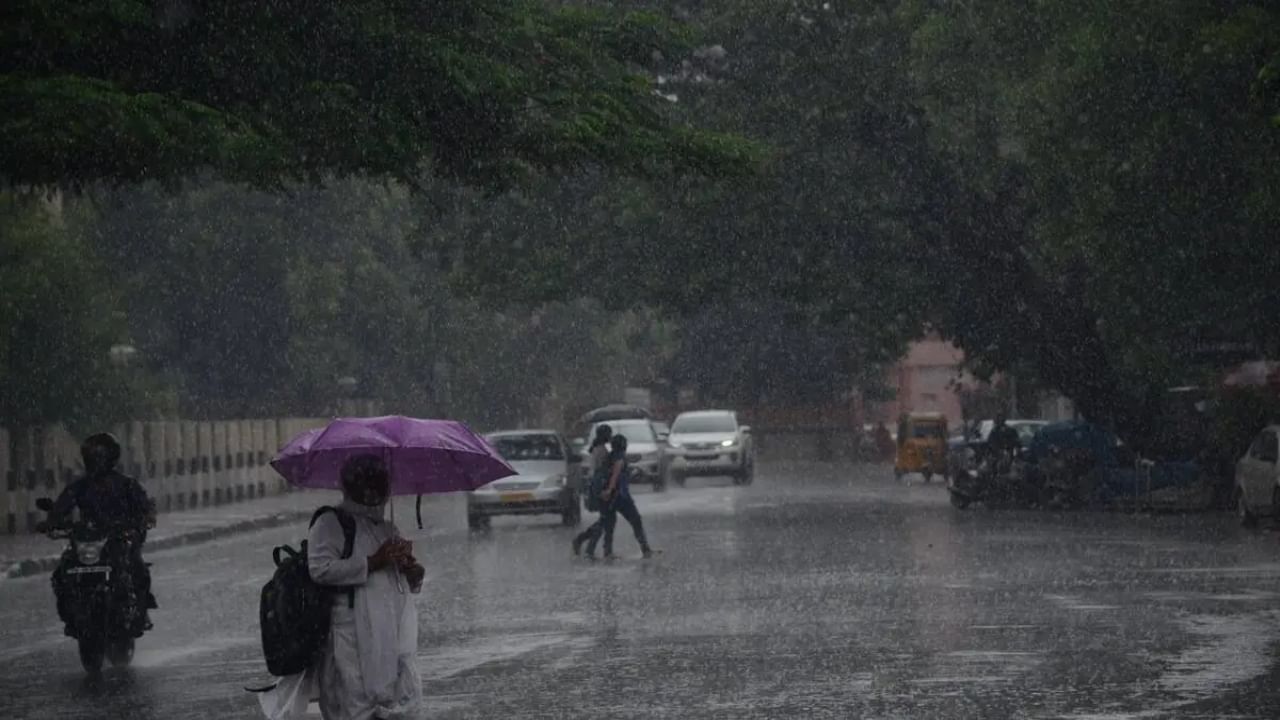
(515, 497)
(703, 458)
(89, 569)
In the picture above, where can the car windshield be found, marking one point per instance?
(928, 430)
(528, 447)
(635, 431)
(687, 424)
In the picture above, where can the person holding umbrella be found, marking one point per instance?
(367, 666)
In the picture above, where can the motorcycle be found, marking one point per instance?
(995, 479)
(106, 610)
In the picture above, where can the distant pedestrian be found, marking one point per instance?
(368, 666)
(616, 500)
(597, 466)
(885, 446)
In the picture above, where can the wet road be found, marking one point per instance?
(820, 591)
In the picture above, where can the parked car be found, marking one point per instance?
(545, 483)
(1257, 490)
(644, 451)
(1099, 469)
(710, 443)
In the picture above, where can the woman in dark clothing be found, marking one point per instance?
(616, 500)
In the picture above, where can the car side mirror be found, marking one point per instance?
(746, 429)
(662, 437)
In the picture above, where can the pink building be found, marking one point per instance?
(927, 379)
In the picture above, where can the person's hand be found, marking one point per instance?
(415, 573)
(406, 561)
(388, 554)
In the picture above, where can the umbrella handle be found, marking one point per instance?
(418, 508)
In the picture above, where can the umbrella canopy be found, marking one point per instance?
(423, 456)
(617, 411)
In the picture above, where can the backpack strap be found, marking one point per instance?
(275, 554)
(348, 524)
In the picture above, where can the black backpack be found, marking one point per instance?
(294, 611)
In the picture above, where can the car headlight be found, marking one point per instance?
(728, 443)
(555, 481)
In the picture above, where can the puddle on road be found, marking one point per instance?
(1230, 649)
(456, 659)
(1074, 603)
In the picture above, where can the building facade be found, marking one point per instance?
(928, 378)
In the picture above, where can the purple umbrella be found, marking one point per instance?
(424, 456)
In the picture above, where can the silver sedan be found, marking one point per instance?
(544, 483)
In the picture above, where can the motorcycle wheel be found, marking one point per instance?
(91, 655)
(120, 652)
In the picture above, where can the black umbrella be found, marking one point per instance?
(616, 411)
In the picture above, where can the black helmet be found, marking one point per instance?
(603, 433)
(618, 443)
(100, 452)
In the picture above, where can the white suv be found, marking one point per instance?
(710, 442)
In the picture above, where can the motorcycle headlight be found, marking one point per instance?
(728, 443)
(89, 552)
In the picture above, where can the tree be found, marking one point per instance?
(1081, 198)
(57, 321)
(481, 90)
(1118, 204)
(822, 226)
(770, 353)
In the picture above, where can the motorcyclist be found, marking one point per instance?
(1002, 441)
(107, 498)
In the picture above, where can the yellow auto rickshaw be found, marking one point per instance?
(922, 445)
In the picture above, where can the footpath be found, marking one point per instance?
(34, 554)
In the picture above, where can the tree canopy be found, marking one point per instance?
(1083, 196)
(479, 90)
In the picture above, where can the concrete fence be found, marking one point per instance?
(182, 464)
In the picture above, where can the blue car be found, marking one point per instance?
(1106, 471)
